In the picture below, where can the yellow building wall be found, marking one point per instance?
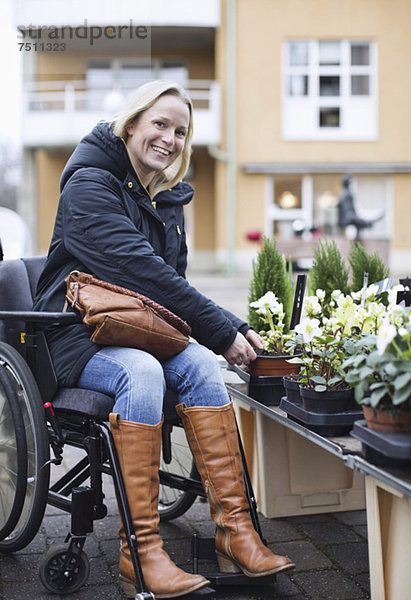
(402, 213)
(204, 209)
(249, 207)
(73, 65)
(262, 28)
(49, 167)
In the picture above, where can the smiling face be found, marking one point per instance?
(156, 139)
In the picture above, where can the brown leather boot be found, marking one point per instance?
(213, 439)
(138, 448)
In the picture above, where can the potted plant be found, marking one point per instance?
(361, 262)
(292, 384)
(328, 404)
(378, 366)
(265, 374)
(321, 339)
(328, 272)
(269, 313)
(274, 358)
(269, 310)
(269, 274)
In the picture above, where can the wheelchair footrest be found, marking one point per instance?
(206, 593)
(204, 549)
(219, 580)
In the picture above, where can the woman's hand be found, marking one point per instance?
(241, 351)
(255, 339)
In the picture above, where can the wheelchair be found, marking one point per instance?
(38, 419)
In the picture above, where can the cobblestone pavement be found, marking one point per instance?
(330, 550)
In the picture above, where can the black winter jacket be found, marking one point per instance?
(107, 225)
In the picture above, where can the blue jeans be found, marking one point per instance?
(138, 381)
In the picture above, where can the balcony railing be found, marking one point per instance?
(73, 95)
(58, 113)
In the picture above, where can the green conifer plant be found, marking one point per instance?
(270, 274)
(361, 262)
(328, 271)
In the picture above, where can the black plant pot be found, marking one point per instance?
(292, 390)
(328, 402)
(384, 448)
(267, 389)
(324, 423)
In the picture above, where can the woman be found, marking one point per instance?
(120, 216)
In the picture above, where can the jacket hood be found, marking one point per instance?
(102, 149)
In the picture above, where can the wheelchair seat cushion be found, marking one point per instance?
(99, 406)
(93, 404)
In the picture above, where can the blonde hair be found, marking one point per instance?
(142, 99)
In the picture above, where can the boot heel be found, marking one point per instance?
(226, 565)
(128, 587)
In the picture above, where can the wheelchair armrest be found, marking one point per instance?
(44, 318)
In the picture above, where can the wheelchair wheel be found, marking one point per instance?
(38, 469)
(173, 503)
(13, 456)
(62, 576)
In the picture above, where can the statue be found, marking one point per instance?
(347, 215)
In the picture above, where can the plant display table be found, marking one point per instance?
(300, 472)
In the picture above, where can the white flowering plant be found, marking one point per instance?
(323, 339)
(378, 365)
(272, 313)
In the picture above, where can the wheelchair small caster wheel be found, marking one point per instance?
(61, 576)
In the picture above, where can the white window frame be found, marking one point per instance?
(358, 113)
(274, 213)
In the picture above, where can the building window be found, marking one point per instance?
(330, 90)
(329, 53)
(360, 54)
(298, 53)
(329, 116)
(306, 206)
(298, 85)
(360, 85)
(287, 205)
(329, 85)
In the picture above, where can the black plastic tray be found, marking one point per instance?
(327, 424)
(266, 389)
(385, 448)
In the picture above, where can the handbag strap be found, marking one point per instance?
(166, 314)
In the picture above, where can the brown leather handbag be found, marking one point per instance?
(120, 317)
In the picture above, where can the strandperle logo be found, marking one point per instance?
(83, 32)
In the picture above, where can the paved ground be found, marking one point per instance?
(330, 550)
